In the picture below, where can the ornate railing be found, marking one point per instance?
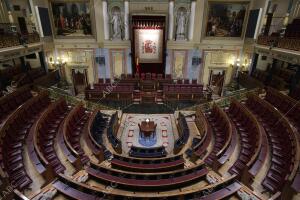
(288, 43)
(284, 43)
(12, 39)
(32, 38)
(9, 41)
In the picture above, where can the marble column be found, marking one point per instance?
(171, 19)
(105, 20)
(192, 20)
(126, 19)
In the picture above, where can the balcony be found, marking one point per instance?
(283, 43)
(9, 38)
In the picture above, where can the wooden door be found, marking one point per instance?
(79, 80)
(217, 78)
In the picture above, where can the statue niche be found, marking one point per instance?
(181, 23)
(116, 23)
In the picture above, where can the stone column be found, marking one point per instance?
(192, 20)
(126, 19)
(171, 19)
(105, 20)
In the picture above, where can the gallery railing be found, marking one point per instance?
(11, 38)
(56, 93)
(225, 101)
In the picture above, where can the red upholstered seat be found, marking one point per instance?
(186, 81)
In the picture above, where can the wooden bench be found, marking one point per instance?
(73, 193)
(223, 130)
(96, 148)
(202, 123)
(284, 143)
(12, 101)
(224, 193)
(111, 133)
(154, 152)
(14, 133)
(184, 134)
(116, 194)
(46, 133)
(253, 151)
(157, 182)
(73, 127)
(147, 165)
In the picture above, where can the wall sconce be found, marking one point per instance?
(286, 20)
(265, 20)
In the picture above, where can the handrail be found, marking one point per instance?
(224, 101)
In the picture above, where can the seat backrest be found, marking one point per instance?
(148, 75)
(153, 75)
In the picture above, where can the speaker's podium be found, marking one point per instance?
(147, 133)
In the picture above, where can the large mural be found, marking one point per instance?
(149, 45)
(72, 18)
(226, 19)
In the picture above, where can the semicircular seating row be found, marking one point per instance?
(262, 128)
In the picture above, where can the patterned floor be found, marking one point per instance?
(165, 130)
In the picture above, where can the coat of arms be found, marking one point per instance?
(149, 47)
